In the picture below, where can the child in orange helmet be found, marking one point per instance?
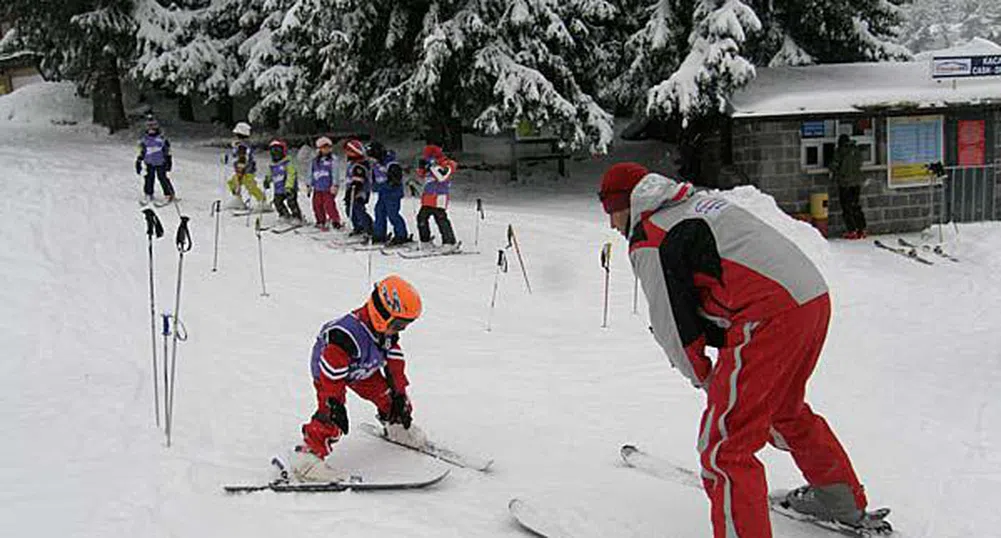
(360, 351)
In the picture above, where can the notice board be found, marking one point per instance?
(912, 142)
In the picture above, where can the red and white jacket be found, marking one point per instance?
(707, 267)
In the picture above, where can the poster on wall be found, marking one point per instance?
(971, 142)
(911, 143)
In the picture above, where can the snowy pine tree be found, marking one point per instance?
(502, 62)
(713, 67)
(727, 38)
(939, 24)
(191, 49)
(90, 42)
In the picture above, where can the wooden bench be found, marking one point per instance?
(555, 153)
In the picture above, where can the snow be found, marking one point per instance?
(841, 88)
(975, 46)
(43, 103)
(908, 377)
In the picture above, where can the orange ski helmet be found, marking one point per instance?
(394, 304)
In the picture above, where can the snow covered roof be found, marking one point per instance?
(24, 57)
(845, 88)
(977, 45)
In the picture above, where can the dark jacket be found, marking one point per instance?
(846, 165)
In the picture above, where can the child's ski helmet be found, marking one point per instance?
(242, 129)
(354, 149)
(394, 304)
(323, 141)
(278, 147)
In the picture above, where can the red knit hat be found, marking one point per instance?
(617, 184)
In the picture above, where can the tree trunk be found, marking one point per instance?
(446, 132)
(109, 109)
(224, 111)
(185, 108)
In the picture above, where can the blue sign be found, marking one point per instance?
(966, 66)
(812, 129)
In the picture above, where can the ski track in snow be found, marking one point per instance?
(907, 378)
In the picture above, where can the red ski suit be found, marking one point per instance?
(350, 354)
(714, 274)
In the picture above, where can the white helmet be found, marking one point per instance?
(242, 129)
(323, 141)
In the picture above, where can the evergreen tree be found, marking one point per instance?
(500, 63)
(190, 49)
(90, 42)
(728, 38)
(939, 24)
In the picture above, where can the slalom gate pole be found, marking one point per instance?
(183, 242)
(479, 209)
(606, 258)
(166, 381)
(260, 255)
(153, 228)
(216, 211)
(512, 240)
(501, 268)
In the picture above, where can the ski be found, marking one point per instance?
(549, 522)
(937, 249)
(874, 521)
(911, 253)
(435, 252)
(286, 229)
(391, 250)
(165, 203)
(348, 241)
(433, 450)
(356, 483)
(364, 247)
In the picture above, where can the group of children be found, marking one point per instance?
(367, 169)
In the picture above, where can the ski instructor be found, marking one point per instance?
(715, 275)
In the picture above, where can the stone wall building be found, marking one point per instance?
(784, 127)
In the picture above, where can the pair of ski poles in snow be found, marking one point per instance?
(502, 267)
(154, 228)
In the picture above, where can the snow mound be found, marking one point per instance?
(45, 102)
(806, 237)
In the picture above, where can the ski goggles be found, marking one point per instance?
(399, 324)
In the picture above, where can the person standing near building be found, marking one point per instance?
(846, 171)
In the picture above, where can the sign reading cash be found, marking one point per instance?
(966, 66)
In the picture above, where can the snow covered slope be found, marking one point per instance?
(907, 379)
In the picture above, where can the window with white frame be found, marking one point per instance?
(819, 139)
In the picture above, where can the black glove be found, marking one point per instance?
(337, 415)
(267, 182)
(169, 163)
(399, 410)
(139, 167)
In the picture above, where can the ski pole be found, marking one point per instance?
(512, 240)
(216, 211)
(153, 227)
(501, 268)
(166, 383)
(183, 241)
(479, 209)
(606, 258)
(260, 255)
